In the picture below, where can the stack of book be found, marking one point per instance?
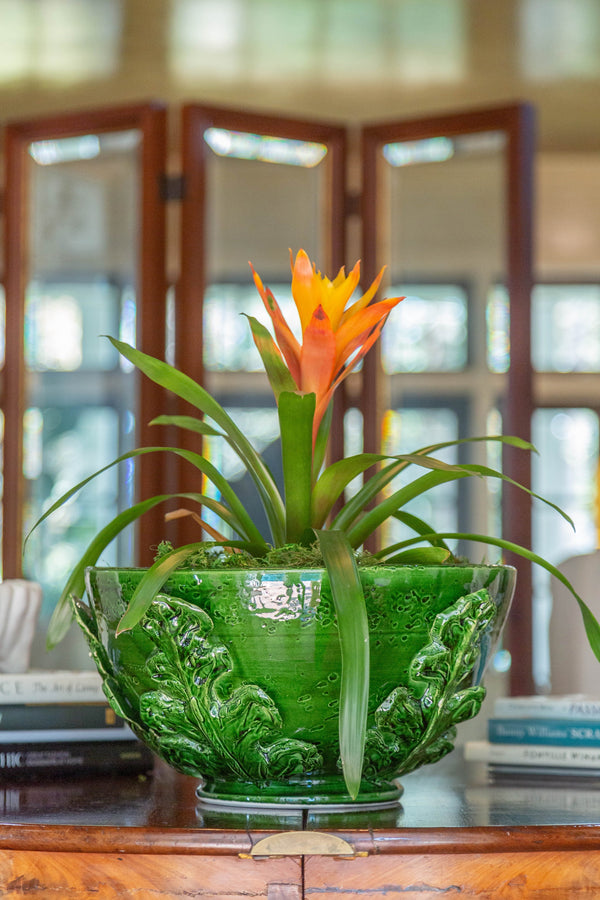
(60, 722)
(541, 737)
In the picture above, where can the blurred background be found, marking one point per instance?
(78, 259)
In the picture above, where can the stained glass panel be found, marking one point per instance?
(428, 331)
(565, 471)
(565, 333)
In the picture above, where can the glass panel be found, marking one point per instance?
(260, 424)
(353, 445)
(493, 452)
(565, 333)
(283, 203)
(263, 147)
(445, 203)
(284, 199)
(565, 472)
(80, 402)
(565, 330)
(497, 316)
(65, 324)
(427, 332)
(405, 431)
(231, 347)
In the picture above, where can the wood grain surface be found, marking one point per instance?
(101, 876)
(539, 876)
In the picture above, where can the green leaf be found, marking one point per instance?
(351, 613)
(190, 423)
(370, 490)
(296, 415)
(423, 556)
(151, 584)
(238, 518)
(322, 441)
(372, 519)
(443, 473)
(509, 439)
(334, 480)
(486, 472)
(592, 627)
(185, 387)
(62, 615)
(420, 526)
(278, 373)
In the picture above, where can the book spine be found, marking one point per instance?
(54, 715)
(65, 735)
(532, 754)
(562, 732)
(546, 708)
(51, 687)
(75, 758)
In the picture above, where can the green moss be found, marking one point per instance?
(290, 556)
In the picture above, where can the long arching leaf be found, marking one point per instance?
(151, 583)
(420, 526)
(61, 617)
(185, 387)
(592, 627)
(334, 480)
(190, 423)
(370, 490)
(349, 602)
(244, 526)
(372, 519)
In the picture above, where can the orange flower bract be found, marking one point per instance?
(335, 335)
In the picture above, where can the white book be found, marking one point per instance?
(64, 735)
(532, 755)
(51, 686)
(568, 706)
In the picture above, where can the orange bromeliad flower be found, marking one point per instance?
(334, 337)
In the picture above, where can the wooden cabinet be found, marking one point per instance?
(452, 836)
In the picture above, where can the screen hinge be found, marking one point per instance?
(171, 187)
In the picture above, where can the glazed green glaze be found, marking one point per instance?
(233, 676)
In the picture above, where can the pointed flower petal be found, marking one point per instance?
(305, 288)
(288, 344)
(365, 299)
(318, 354)
(362, 323)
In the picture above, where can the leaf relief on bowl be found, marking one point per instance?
(416, 724)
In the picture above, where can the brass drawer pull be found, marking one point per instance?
(302, 843)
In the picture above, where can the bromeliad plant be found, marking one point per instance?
(336, 333)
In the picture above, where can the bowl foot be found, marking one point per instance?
(315, 793)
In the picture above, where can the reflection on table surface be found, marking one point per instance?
(449, 794)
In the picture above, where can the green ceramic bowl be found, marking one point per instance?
(234, 676)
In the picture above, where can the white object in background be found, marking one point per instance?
(574, 668)
(20, 603)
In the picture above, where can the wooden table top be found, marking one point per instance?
(444, 806)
